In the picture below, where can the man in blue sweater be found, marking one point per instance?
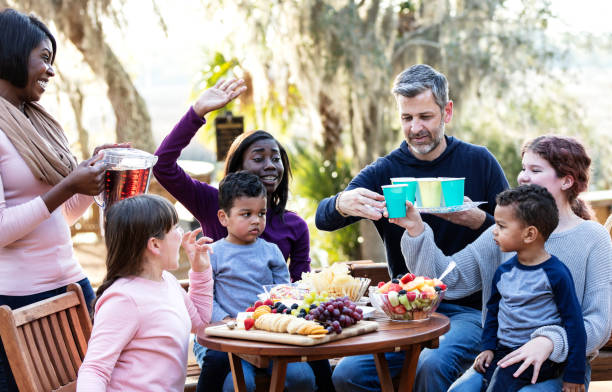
(422, 97)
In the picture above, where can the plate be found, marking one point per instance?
(447, 210)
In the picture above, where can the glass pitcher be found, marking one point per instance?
(128, 173)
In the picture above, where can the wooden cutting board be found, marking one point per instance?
(360, 328)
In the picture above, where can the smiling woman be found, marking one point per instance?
(42, 189)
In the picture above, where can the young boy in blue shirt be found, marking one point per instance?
(531, 290)
(241, 263)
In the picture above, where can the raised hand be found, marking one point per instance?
(218, 96)
(197, 250)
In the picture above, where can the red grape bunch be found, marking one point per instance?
(336, 314)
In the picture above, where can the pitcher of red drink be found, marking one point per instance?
(128, 173)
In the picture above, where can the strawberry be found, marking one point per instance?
(442, 286)
(274, 310)
(411, 295)
(250, 309)
(380, 284)
(399, 309)
(395, 287)
(268, 302)
(248, 323)
(407, 278)
(257, 304)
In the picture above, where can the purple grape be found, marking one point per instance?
(357, 316)
(359, 310)
(352, 307)
(330, 308)
(336, 313)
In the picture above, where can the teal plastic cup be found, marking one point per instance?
(395, 197)
(429, 193)
(452, 191)
(411, 186)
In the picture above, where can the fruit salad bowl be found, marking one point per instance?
(406, 306)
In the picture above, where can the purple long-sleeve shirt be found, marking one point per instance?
(202, 200)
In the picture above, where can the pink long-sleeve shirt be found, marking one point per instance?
(141, 331)
(36, 252)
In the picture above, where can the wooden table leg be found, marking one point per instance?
(237, 374)
(279, 372)
(382, 367)
(409, 368)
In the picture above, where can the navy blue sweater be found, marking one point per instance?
(525, 298)
(484, 179)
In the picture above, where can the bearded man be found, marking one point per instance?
(424, 107)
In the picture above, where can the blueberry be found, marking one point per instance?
(295, 306)
(395, 281)
(401, 292)
(438, 288)
(313, 306)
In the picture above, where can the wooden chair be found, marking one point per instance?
(46, 341)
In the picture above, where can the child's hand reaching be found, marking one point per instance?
(197, 250)
(412, 222)
(483, 360)
(571, 387)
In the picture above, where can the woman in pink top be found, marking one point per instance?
(142, 315)
(42, 189)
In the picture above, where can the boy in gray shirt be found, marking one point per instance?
(531, 290)
(241, 263)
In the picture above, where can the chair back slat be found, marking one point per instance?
(52, 345)
(34, 354)
(46, 341)
(77, 332)
(62, 344)
(43, 349)
(73, 351)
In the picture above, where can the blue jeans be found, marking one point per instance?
(7, 382)
(299, 378)
(215, 368)
(437, 368)
(471, 381)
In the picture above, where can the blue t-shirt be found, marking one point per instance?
(525, 298)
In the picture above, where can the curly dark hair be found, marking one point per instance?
(239, 184)
(533, 205)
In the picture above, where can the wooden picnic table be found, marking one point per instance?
(391, 336)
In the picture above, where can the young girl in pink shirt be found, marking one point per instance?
(142, 316)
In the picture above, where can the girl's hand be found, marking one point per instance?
(483, 360)
(197, 250)
(534, 352)
(571, 387)
(218, 96)
(412, 222)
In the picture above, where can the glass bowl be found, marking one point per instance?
(420, 308)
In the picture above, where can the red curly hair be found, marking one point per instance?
(568, 157)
